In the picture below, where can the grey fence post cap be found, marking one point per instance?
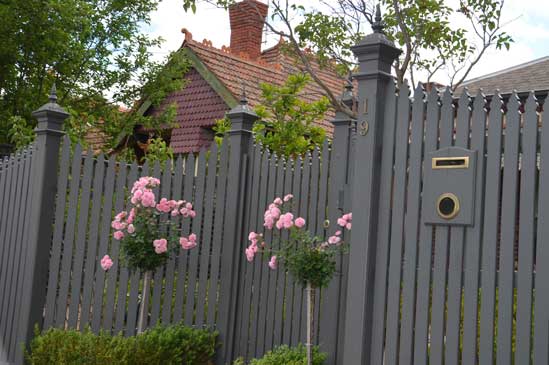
(242, 116)
(51, 115)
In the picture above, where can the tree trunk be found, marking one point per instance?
(142, 322)
(310, 323)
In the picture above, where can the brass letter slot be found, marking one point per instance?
(450, 162)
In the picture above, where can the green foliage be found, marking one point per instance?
(284, 355)
(158, 150)
(175, 344)
(19, 133)
(96, 53)
(286, 124)
(308, 260)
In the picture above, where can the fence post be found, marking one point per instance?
(44, 188)
(375, 54)
(332, 310)
(240, 139)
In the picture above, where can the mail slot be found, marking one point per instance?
(449, 186)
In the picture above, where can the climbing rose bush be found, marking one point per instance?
(310, 259)
(150, 231)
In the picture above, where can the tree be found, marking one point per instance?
(98, 57)
(286, 125)
(431, 43)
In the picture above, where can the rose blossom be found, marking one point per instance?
(272, 263)
(299, 222)
(131, 229)
(187, 243)
(288, 197)
(118, 235)
(106, 262)
(160, 245)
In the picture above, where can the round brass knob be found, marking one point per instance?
(447, 205)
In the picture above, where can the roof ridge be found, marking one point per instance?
(226, 51)
(505, 70)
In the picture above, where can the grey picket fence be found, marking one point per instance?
(411, 291)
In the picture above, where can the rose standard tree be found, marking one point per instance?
(149, 233)
(310, 259)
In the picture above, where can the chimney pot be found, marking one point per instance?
(247, 20)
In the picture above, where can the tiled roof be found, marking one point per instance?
(533, 75)
(198, 106)
(273, 67)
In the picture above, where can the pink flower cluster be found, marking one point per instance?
(106, 262)
(176, 208)
(142, 193)
(160, 245)
(273, 216)
(345, 220)
(123, 221)
(252, 249)
(188, 243)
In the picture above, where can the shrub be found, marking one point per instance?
(174, 344)
(284, 355)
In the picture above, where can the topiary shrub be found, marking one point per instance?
(284, 355)
(174, 344)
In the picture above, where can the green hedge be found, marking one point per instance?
(284, 355)
(174, 344)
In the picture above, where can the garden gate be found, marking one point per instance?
(450, 201)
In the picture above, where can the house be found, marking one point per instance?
(532, 75)
(218, 76)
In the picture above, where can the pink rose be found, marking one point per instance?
(131, 216)
(278, 201)
(272, 263)
(192, 237)
(131, 229)
(160, 245)
(338, 233)
(334, 240)
(288, 197)
(118, 235)
(250, 253)
(341, 222)
(348, 226)
(252, 236)
(148, 199)
(186, 244)
(106, 262)
(299, 222)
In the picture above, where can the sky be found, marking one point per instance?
(527, 21)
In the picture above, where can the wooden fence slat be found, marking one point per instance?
(541, 314)
(474, 238)
(265, 277)
(273, 285)
(304, 209)
(322, 215)
(440, 273)
(293, 310)
(105, 228)
(121, 306)
(91, 255)
(507, 243)
(68, 238)
(382, 254)
(217, 234)
(158, 280)
(4, 234)
(80, 244)
(112, 274)
(457, 240)
(206, 241)
(490, 233)
(250, 275)
(411, 226)
(425, 258)
(170, 269)
(397, 226)
(197, 225)
(20, 247)
(135, 283)
(262, 201)
(526, 244)
(282, 275)
(184, 255)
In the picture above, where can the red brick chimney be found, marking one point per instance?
(247, 19)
